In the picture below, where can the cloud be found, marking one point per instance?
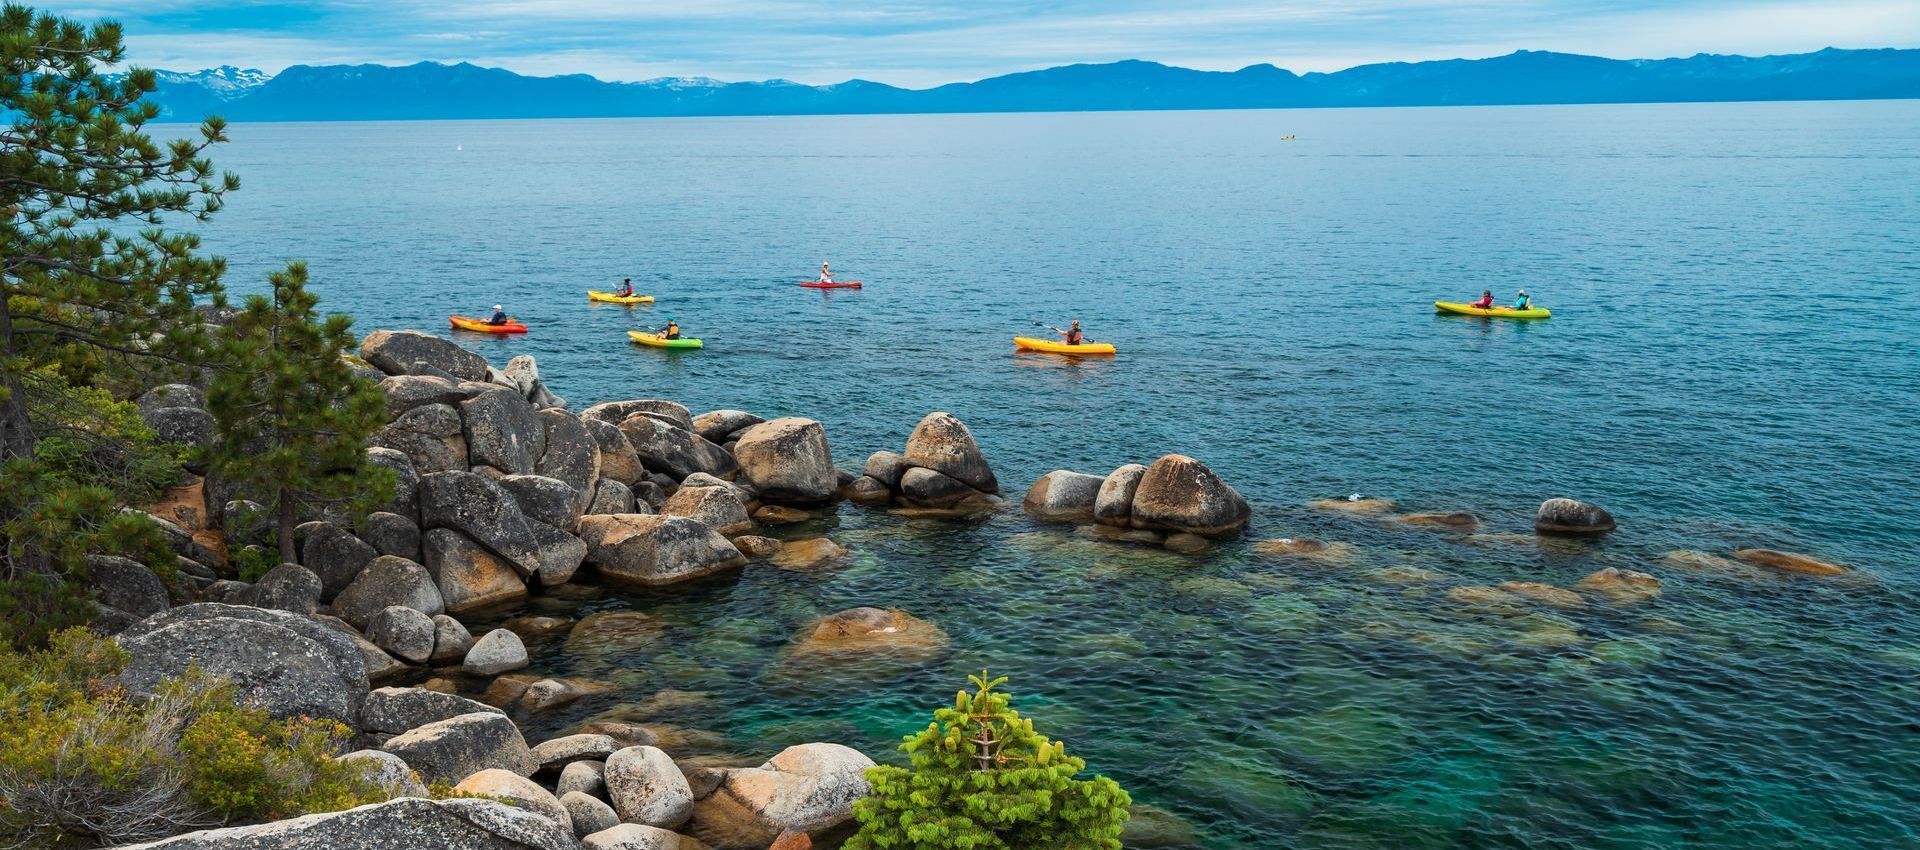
(926, 42)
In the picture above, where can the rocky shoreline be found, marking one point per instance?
(504, 493)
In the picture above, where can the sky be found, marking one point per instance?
(928, 42)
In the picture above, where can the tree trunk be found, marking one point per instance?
(286, 527)
(16, 433)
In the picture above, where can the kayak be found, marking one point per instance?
(462, 323)
(1027, 343)
(1497, 312)
(610, 298)
(645, 338)
(814, 284)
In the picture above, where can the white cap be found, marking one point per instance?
(496, 307)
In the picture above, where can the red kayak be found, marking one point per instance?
(462, 323)
(814, 284)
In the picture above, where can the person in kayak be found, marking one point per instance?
(499, 316)
(626, 288)
(1072, 333)
(825, 275)
(671, 331)
(1485, 302)
(1522, 302)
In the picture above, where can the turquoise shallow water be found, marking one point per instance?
(1731, 363)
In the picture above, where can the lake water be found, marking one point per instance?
(1731, 362)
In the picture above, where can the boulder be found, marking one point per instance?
(185, 425)
(716, 426)
(1566, 516)
(1063, 496)
(590, 814)
(402, 632)
(655, 550)
(867, 490)
(756, 547)
(544, 499)
(380, 665)
(556, 754)
(288, 587)
(496, 652)
(502, 431)
(170, 395)
(285, 663)
(469, 577)
(395, 352)
(407, 823)
(389, 772)
(392, 534)
(645, 787)
(619, 460)
(406, 481)
(633, 836)
(780, 515)
(506, 785)
(333, 554)
(458, 747)
(717, 508)
(126, 585)
(389, 580)
(582, 777)
(1113, 505)
(925, 488)
(613, 497)
(185, 505)
(807, 788)
(395, 710)
(616, 412)
(571, 453)
(560, 554)
(1621, 585)
(1789, 562)
(885, 467)
(787, 460)
(1178, 493)
(451, 640)
(483, 511)
(431, 436)
(522, 374)
(943, 444)
(677, 452)
(406, 392)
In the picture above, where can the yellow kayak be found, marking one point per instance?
(1496, 312)
(654, 340)
(610, 298)
(1027, 343)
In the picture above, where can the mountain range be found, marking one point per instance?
(431, 90)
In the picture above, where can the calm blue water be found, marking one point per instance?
(1731, 363)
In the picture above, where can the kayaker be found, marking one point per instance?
(825, 275)
(499, 316)
(1485, 302)
(671, 331)
(626, 288)
(1072, 333)
(1522, 302)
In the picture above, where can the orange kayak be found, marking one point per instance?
(462, 323)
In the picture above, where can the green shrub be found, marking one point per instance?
(82, 765)
(982, 779)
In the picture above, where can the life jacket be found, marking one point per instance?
(1074, 337)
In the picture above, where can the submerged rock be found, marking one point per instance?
(1566, 516)
(807, 554)
(1622, 585)
(613, 633)
(1789, 562)
(1350, 505)
(1454, 520)
(1558, 597)
(863, 630)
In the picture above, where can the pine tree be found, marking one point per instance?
(982, 779)
(94, 291)
(291, 418)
